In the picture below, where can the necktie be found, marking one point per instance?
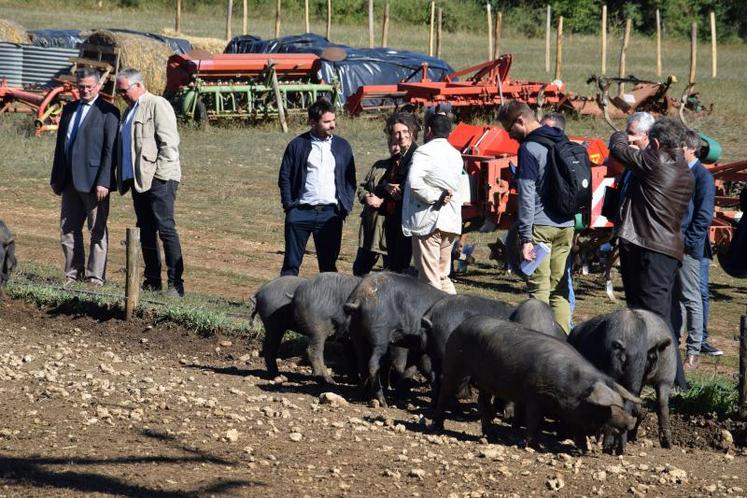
(76, 126)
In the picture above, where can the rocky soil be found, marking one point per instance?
(103, 407)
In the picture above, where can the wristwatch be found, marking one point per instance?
(526, 241)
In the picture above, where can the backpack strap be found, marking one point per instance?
(544, 141)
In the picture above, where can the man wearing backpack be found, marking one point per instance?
(548, 201)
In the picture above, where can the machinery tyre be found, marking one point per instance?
(200, 115)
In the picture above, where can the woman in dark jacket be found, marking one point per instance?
(401, 128)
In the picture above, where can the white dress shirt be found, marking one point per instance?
(320, 174)
(83, 107)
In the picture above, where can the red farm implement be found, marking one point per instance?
(45, 104)
(490, 159)
(484, 86)
(204, 86)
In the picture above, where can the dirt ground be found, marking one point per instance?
(98, 406)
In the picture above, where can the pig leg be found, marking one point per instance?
(271, 345)
(315, 352)
(352, 360)
(374, 373)
(662, 411)
(362, 354)
(487, 411)
(532, 420)
(451, 380)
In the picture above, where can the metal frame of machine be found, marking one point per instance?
(205, 86)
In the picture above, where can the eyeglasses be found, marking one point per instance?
(122, 91)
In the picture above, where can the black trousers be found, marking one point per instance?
(648, 278)
(154, 210)
(398, 247)
(325, 224)
(365, 261)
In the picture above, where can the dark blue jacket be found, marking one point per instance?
(699, 213)
(292, 177)
(90, 163)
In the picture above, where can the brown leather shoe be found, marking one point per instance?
(692, 362)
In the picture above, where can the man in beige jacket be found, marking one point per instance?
(432, 206)
(148, 162)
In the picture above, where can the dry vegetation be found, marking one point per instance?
(228, 209)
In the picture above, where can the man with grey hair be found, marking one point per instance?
(148, 163)
(637, 127)
(659, 190)
(695, 227)
(82, 173)
(554, 120)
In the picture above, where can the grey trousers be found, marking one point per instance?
(689, 304)
(78, 207)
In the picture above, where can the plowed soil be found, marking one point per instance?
(99, 406)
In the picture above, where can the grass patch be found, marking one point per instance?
(708, 394)
(205, 315)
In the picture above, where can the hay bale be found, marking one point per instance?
(145, 54)
(12, 32)
(212, 45)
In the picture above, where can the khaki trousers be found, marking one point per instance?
(432, 257)
(78, 207)
(549, 282)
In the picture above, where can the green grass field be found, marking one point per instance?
(228, 208)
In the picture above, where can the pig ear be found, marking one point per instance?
(426, 323)
(627, 395)
(351, 306)
(602, 395)
(664, 344)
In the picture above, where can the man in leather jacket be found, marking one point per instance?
(651, 247)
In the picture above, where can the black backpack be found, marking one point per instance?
(566, 187)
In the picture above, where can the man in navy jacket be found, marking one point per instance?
(82, 174)
(317, 187)
(695, 225)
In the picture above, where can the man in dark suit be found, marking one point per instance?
(83, 174)
(317, 186)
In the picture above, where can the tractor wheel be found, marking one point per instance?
(200, 115)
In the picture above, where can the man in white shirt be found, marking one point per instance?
(317, 186)
(82, 174)
(432, 206)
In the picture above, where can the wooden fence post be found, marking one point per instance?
(132, 285)
(385, 26)
(278, 6)
(245, 19)
(658, 44)
(559, 48)
(229, 17)
(329, 18)
(490, 30)
(278, 97)
(714, 60)
(548, 28)
(498, 29)
(604, 39)
(370, 23)
(430, 28)
(623, 49)
(306, 25)
(693, 51)
(178, 20)
(439, 32)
